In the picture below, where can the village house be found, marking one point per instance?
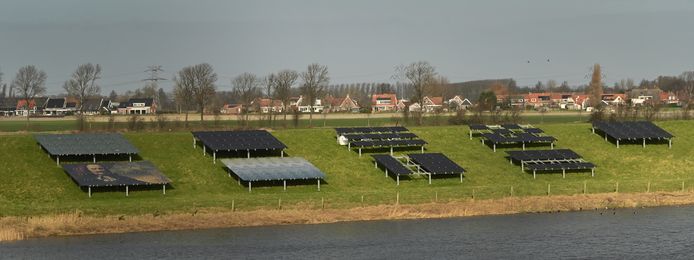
(459, 103)
(138, 106)
(96, 106)
(231, 109)
(301, 104)
(431, 104)
(266, 105)
(402, 104)
(614, 99)
(669, 99)
(346, 104)
(384, 102)
(24, 108)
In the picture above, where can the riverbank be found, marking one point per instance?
(18, 228)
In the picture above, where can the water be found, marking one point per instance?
(654, 233)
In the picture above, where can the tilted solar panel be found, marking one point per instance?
(436, 163)
(85, 144)
(393, 165)
(273, 169)
(239, 140)
(535, 155)
(559, 166)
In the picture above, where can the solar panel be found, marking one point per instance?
(365, 130)
(478, 127)
(388, 143)
(560, 166)
(539, 155)
(632, 130)
(436, 163)
(85, 144)
(239, 140)
(357, 137)
(273, 169)
(391, 164)
(116, 174)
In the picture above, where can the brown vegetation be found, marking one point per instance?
(16, 228)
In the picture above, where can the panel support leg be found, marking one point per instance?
(429, 178)
(617, 143)
(523, 146)
(470, 135)
(249, 186)
(285, 184)
(94, 158)
(57, 160)
(194, 143)
(422, 148)
(397, 177)
(563, 173)
(495, 148)
(592, 172)
(522, 167)
(461, 178)
(534, 174)
(163, 189)
(359, 152)
(89, 190)
(669, 143)
(249, 154)
(386, 173)
(204, 150)
(551, 145)
(318, 184)
(126, 191)
(214, 157)
(282, 153)
(130, 157)
(644, 143)
(391, 150)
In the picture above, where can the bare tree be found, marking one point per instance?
(687, 78)
(199, 81)
(83, 83)
(315, 79)
(246, 89)
(183, 95)
(595, 86)
(420, 76)
(29, 82)
(283, 83)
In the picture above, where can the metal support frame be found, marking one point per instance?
(644, 143)
(494, 148)
(126, 191)
(391, 150)
(563, 173)
(57, 160)
(551, 145)
(130, 157)
(429, 178)
(163, 189)
(461, 178)
(669, 143)
(249, 153)
(318, 184)
(359, 151)
(249, 186)
(397, 177)
(204, 150)
(617, 143)
(422, 148)
(534, 174)
(282, 153)
(194, 143)
(94, 158)
(523, 145)
(592, 172)
(285, 184)
(89, 191)
(214, 157)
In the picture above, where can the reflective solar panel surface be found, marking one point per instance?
(85, 144)
(239, 140)
(531, 155)
(107, 174)
(393, 165)
(364, 130)
(632, 130)
(560, 166)
(436, 163)
(273, 169)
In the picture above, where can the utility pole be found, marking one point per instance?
(153, 78)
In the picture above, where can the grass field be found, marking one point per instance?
(32, 184)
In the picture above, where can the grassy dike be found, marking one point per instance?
(33, 187)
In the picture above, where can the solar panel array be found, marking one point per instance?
(273, 169)
(365, 130)
(142, 173)
(380, 137)
(393, 166)
(540, 155)
(239, 140)
(85, 144)
(632, 130)
(510, 134)
(436, 163)
(550, 160)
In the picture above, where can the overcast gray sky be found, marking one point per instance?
(360, 41)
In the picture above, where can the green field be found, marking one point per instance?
(33, 184)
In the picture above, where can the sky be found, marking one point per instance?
(359, 40)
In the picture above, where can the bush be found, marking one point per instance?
(136, 123)
(460, 118)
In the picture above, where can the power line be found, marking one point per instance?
(154, 71)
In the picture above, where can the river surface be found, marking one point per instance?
(651, 233)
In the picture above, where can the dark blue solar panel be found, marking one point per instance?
(393, 165)
(239, 140)
(436, 163)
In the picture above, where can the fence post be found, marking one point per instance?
(473, 194)
(322, 203)
(362, 200)
(648, 188)
(397, 198)
(436, 196)
(548, 189)
(279, 203)
(682, 186)
(233, 207)
(584, 187)
(511, 190)
(616, 189)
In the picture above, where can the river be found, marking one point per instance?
(650, 233)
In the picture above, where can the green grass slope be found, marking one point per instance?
(31, 183)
